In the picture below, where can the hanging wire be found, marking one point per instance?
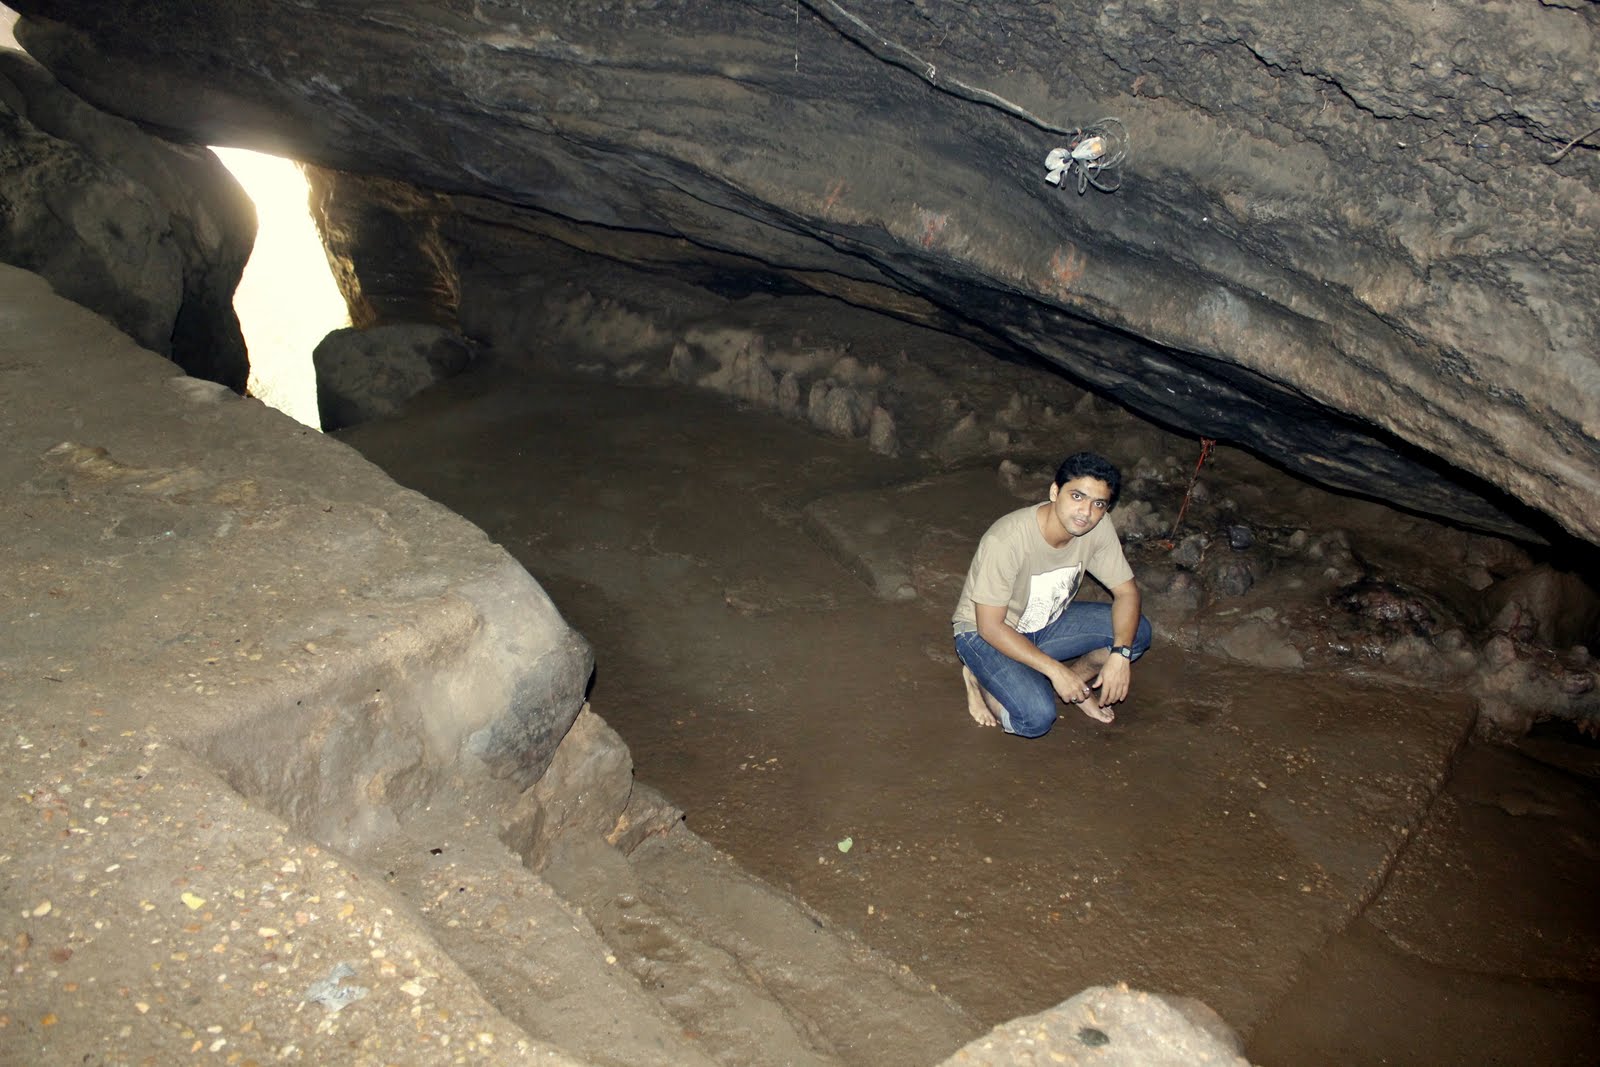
(1206, 445)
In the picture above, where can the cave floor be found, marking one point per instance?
(1292, 848)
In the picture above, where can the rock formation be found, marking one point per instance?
(1110, 1028)
(1355, 241)
(150, 234)
(1359, 242)
(364, 374)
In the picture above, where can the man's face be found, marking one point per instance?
(1081, 503)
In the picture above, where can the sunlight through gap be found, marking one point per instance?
(287, 301)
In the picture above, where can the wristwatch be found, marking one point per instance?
(1125, 651)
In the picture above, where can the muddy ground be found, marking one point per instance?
(1322, 854)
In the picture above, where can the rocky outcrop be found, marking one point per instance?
(1342, 237)
(152, 235)
(1110, 1027)
(272, 723)
(384, 244)
(236, 653)
(371, 373)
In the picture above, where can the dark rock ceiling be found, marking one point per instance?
(1346, 236)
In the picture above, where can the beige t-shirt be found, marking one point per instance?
(1016, 566)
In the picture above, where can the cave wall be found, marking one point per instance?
(150, 234)
(1344, 237)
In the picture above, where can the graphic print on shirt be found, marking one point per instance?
(1048, 596)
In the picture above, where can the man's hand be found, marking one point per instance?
(1069, 687)
(1113, 680)
(1075, 691)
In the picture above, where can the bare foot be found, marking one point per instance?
(977, 707)
(1091, 707)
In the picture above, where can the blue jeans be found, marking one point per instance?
(1028, 700)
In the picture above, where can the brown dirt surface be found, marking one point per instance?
(1217, 841)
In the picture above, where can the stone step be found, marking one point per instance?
(750, 966)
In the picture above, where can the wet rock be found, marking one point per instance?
(1544, 605)
(648, 813)
(585, 790)
(1011, 475)
(1110, 1027)
(881, 437)
(1190, 551)
(1014, 416)
(567, 323)
(1145, 468)
(1576, 683)
(848, 370)
(1521, 684)
(1260, 643)
(751, 379)
(1182, 593)
(1499, 651)
(371, 373)
(1393, 608)
(789, 394)
(733, 362)
(1136, 520)
(1331, 548)
(1417, 656)
(840, 410)
(1240, 537)
(689, 364)
(1501, 722)
(1172, 595)
(1230, 577)
(1497, 556)
(1408, 652)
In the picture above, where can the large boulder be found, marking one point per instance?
(152, 235)
(1347, 237)
(371, 373)
(1110, 1026)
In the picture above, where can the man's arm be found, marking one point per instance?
(993, 629)
(1116, 675)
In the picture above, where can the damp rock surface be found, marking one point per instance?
(287, 746)
(1110, 1026)
(811, 723)
(1359, 239)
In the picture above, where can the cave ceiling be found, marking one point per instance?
(1346, 236)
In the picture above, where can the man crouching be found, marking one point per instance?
(1016, 626)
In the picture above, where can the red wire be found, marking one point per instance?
(1206, 445)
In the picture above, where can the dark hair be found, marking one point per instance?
(1091, 465)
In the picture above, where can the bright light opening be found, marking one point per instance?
(287, 301)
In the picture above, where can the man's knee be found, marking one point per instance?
(1032, 719)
